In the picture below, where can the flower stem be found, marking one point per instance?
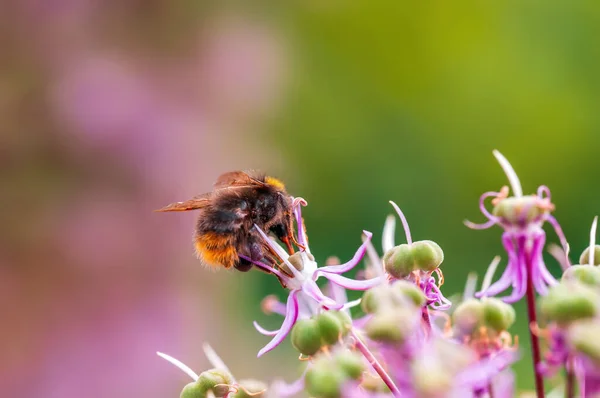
(375, 363)
(535, 343)
(570, 379)
(426, 320)
(490, 391)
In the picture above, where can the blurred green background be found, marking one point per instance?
(110, 109)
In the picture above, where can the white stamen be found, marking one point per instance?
(389, 228)
(215, 360)
(186, 369)
(510, 173)
(593, 240)
(404, 222)
(470, 286)
(352, 304)
(489, 274)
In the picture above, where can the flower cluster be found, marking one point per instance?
(404, 338)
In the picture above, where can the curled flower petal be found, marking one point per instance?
(338, 294)
(310, 288)
(297, 205)
(358, 256)
(375, 263)
(283, 389)
(492, 220)
(353, 284)
(264, 331)
(271, 304)
(508, 275)
(485, 225)
(544, 192)
(289, 321)
(559, 232)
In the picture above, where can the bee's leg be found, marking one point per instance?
(288, 244)
(243, 265)
(301, 247)
(255, 254)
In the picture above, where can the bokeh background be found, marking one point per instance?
(110, 109)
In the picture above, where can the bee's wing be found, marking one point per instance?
(237, 179)
(198, 202)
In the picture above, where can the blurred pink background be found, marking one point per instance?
(109, 110)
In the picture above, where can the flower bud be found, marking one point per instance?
(390, 326)
(586, 274)
(468, 316)
(569, 302)
(351, 363)
(250, 389)
(410, 291)
(585, 256)
(399, 261)
(306, 336)
(497, 315)
(330, 327)
(431, 379)
(427, 255)
(345, 321)
(373, 383)
(193, 390)
(583, 336)
(373, 298)
(515, 210)
(324, 380)
(215, 380)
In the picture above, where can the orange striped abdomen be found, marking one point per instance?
(216, 250)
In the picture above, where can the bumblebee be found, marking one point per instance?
(225, 226)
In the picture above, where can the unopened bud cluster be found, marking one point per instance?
(309, 336)
(327, 375)
(425, 255)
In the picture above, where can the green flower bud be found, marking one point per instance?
(250, 389)
(351, 363)
(512, 210)
(399, 261)
(586, 274)
(497, 314)
(373, 298)
(468, 316)
(306, 336)
(324, 380)
(345, 321)
(569, 302)
(583, 336)
(373, 383)
(193, 390)
(431, 379)
(330, 327)
(215, 380)
(585, 256)
(427, 255)
(389, 326)
(410, 291)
